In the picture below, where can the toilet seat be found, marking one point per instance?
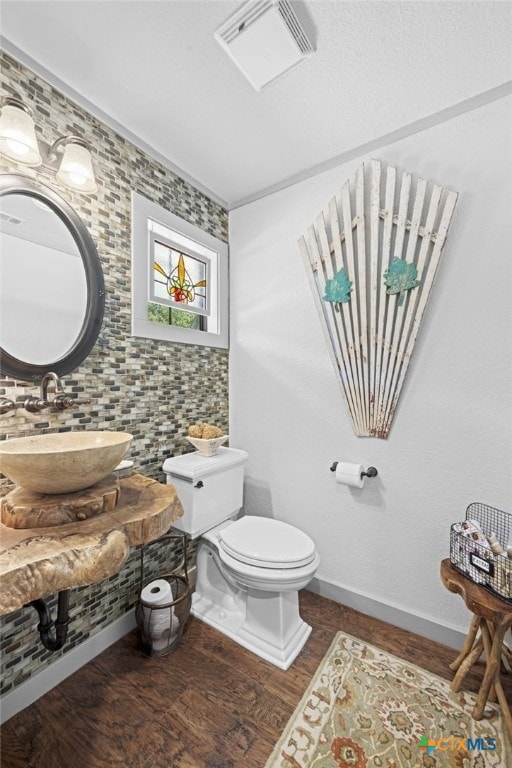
(266, 543)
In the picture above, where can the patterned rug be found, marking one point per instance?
(367, 709)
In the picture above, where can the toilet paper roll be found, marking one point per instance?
(349, 474)
(157, 592)
(158, 620)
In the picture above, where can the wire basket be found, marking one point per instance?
(476, 559)
(163, 607)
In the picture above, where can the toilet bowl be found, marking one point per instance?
(260, 552)
(249, 570)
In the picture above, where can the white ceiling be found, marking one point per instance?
(156, 70)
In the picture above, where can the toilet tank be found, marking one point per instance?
(209, 488)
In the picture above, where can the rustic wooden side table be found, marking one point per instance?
(492, 618)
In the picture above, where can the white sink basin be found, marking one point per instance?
(62, 462)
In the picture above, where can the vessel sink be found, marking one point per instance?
(62, 462)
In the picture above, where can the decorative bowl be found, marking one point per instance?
(207, 447)
(62, 462)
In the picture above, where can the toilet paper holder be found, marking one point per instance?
(370, 472)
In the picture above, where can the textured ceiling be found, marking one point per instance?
(156, 70)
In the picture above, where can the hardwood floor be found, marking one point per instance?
(210, 704)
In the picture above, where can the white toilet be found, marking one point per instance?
(249, 570)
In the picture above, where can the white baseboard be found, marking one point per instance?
(391, 614)
(26, 693)
(192, 573)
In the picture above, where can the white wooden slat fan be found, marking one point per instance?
(371, 259)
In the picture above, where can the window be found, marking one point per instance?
(180, 278)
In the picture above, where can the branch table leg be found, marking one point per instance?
(491, 671)
(487, 630)
(466, 665)
(468, 643)
(505, 709)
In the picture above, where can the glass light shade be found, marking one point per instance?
(18, 137)
(76, 170)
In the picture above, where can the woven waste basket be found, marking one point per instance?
(163, 607)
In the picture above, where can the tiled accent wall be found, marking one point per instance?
(152, 389)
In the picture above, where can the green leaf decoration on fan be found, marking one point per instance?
(401, 277)
(337, 289)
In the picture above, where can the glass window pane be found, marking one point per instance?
(161, 313)
(179, 277)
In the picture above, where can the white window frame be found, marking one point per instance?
(156, 237)
(217, 333)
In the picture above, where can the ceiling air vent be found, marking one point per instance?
(265, 39)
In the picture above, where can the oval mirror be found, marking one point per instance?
(52, 293)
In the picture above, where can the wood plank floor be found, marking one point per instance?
(210, 704)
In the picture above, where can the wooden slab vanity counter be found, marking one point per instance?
(40, 561)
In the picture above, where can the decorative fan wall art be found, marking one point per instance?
(371, 263)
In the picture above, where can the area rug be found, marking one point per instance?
(366, 708)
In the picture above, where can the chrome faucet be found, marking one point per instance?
(35, 404)
(6, 405)
(61, 400)
(57, 385)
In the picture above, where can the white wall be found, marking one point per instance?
(449, 443)
(48, 318)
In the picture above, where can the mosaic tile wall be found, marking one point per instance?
(150, 388)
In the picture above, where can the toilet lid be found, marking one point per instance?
(267, 543)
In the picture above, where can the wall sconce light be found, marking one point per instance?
(17, 133)
(69, 157)
(75, 168)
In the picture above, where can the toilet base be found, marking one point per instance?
(280, 643)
